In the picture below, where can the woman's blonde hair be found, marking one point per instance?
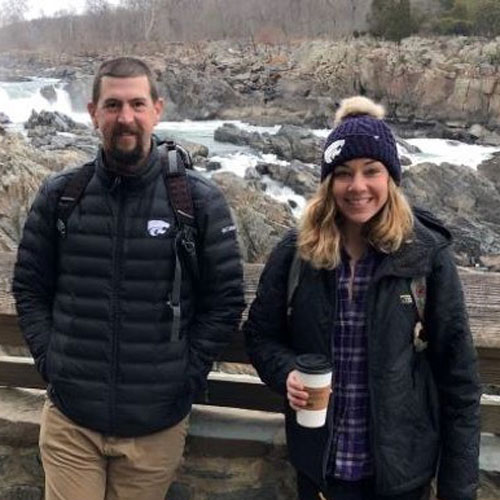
(320, 236)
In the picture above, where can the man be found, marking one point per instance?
(95, 300)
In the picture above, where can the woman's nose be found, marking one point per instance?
(357, 182)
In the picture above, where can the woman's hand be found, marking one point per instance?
(297, 396)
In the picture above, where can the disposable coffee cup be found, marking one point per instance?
(315, 372)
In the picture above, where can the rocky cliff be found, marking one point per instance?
(22, 169)
(445, 79)
(421, 80)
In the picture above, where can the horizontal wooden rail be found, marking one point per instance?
(488, 357)
(489, 364)
(17, 371)
(241, 391)
(482, 293)
(227, 390)
(10, 335)
(490, 414)
(481, 290)
(231, 390)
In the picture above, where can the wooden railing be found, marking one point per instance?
(482, 292)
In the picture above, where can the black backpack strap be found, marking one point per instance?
(72, 192)
(174, 172)
(293, 281)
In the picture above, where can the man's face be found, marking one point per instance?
(125, 115)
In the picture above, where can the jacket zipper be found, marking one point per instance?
(117, 257)
(372, 419)
(370, 309)
(333, 313)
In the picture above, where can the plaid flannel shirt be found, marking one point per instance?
(351, 455)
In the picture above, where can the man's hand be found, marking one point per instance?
(295, 393)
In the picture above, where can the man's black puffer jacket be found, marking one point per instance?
(424, 405)
(94, 306)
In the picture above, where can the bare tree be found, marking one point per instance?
(147, 11)
(105, 26)
(13, 11)
(96, 6)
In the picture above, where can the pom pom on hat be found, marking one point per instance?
(358, 105)
(360, 133)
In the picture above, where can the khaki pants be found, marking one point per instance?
(81, 464)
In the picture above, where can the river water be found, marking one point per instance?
(18, 99)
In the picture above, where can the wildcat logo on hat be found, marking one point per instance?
(333, 150)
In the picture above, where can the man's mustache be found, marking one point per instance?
(120, 130)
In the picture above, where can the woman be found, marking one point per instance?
(405, 402)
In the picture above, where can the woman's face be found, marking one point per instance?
(360, 189)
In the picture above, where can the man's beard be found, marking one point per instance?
(124, 162)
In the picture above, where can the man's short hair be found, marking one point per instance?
(123, 67)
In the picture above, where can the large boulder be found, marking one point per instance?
(49, 93)
(229, 132)
(484, 136)
(409, 148)
(52, 130)
(43, 139)
(466, 201)
(52, 119)
(289, 143)
(490, 169)
(261, 220)
(301, 178)
(193, 93)
(293, 142)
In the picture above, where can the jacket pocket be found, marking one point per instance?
(47, 370)
(425, 395)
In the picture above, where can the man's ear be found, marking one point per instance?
(159, 104)
(91, 108)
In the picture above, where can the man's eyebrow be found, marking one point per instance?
(111, 100)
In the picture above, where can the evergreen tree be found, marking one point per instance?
(393, 19)
(486, 17)
(469, 17)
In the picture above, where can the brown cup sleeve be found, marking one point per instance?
(318, 397)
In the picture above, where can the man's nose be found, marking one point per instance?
(126, 114)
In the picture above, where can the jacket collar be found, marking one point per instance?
(131, 182)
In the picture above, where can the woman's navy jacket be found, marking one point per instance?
(424, 406)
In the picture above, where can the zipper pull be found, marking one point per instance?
(116, 183)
